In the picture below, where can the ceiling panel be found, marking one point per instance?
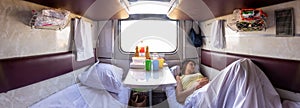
(186, 9)
(207, 9)
(92, 9)
(225, 7)
(75, 6)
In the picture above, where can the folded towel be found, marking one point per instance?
(83, 40)
(218, 34)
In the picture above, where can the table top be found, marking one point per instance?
(140, 78)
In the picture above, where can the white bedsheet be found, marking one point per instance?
(171, 97)
(240, 85)
(96, 98)
(73, 97)
(69, 97)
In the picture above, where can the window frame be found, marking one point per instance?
(147, 17)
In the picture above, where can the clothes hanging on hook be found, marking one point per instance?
(194, 37)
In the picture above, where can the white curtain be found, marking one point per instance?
(218, 34)
(83, 39)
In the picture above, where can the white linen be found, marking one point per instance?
(83, 40)
(171, 97)
(288, 95)
(72, 97)
(69, 97)
(102, 76)
(290, 104)
(96, 98)
(218, 34)
(240, 85)
(175, 70)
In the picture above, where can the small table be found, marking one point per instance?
(140, 78)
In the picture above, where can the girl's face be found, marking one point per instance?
(190, 68)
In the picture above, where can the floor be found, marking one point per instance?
(159, 99)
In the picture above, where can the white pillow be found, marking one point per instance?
(117, 71)
(102, 76)
(175, 70)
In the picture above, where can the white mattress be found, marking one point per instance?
(71, 97)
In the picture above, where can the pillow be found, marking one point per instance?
(175, 70)
(117, 71)
(102, 76)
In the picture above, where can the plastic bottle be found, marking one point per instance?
(136, 54)
(141, 49)
(142, 52)
(155, 56)
(147, 54)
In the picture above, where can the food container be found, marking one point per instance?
(138, 60)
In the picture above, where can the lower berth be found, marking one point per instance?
(241, 84)
(73, 97)
(100, 87)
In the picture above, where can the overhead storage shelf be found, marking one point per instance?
(189, 10)
(246, 20)
(53, 19)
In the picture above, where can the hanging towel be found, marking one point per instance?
(83, 40)
(218, 34)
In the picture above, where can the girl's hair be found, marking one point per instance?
(184, 64)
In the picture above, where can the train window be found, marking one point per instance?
(158, 35)
(149, 7)
(148, 25)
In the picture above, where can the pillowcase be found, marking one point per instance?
(175, 70)
(102, 76)
(117, 71)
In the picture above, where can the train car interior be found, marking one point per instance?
(150, 53)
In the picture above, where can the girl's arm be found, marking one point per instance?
(181, 94)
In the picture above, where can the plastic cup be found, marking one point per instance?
(161, 62)
(148, 65)
(155, 65)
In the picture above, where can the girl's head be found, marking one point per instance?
(188, 67)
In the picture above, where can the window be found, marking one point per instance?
(148, 25)
(158, 35)
(149, 7)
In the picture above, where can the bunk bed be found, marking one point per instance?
(283, 75)
(16, 73)
(99, 86)
(279, 79)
